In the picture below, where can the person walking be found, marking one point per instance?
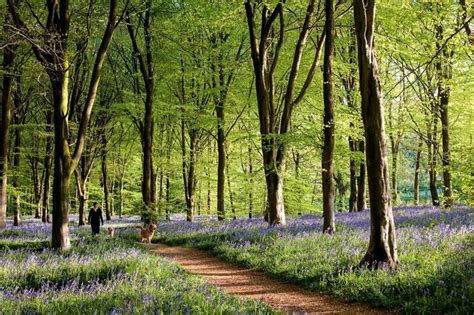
(95, 218)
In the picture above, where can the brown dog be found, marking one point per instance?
(110, 231)
(147, 234)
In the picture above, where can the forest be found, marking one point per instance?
(327, 144)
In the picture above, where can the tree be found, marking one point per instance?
(382, 244)
(52, 54)
(274, 123)
(327, 166)
(144, 58)
(8, 76)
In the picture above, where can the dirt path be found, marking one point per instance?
(253, 284)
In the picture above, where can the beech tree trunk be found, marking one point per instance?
(394, 137)
(443, 69)
(47, 169)
(327, 160)
(160, 192)
(145, 63)
(382, 248)
(416, 182)
(122, 176)
(37, 185)
(16, 166)
(82, 209)
(353, 178)
(62, 169)
(221, 162)
(432, 143)
(250, 181)
(361, 181)
(394, 177)
(105, 181)
(167, 209)
(231, 195)
(7, 66)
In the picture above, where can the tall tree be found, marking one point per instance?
(50, 49)
(382, 244)
(443, 72)
(146, 67)
(8, 77)
(275, 118)
(327, 159)
(222, 78)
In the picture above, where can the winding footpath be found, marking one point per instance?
(253, 284)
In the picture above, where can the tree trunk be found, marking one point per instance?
(353, 177)
(416, 183)
(382, 248)
(432, 144)
(17, 120)
(231, 195)
(361, 181)
(8, 58)
(327, 166)
(160, 193)
(275, 207)
(167, 209)
(122, 176)
(47, 169)
(209, 200)
(191, 180)
(62, 169)
(250, 181)
(145, 60)
(37, 186)
(82, 209)
(105, 181)
(394, 179)
(443, 69)
(221, 162)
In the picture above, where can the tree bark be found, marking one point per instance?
(231, 195)
(122, 176)
(382, 248)
(394, 177)
(432, 143)
(250, 181)
(47, 168)
(353, 177)
(443, 69)
(7, 66)
(361, 180)
(160, 192)
(145, 62)
(16, 166)
(37, 184)
(105, 181)
(327, 166)
(416, 182)
(221, 162)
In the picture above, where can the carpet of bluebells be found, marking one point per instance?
(100, 275)
(435, 246)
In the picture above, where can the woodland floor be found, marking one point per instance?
(253, 284)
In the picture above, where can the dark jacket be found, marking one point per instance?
(95, 217)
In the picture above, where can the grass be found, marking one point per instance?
(435, 275)
(102, 276)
